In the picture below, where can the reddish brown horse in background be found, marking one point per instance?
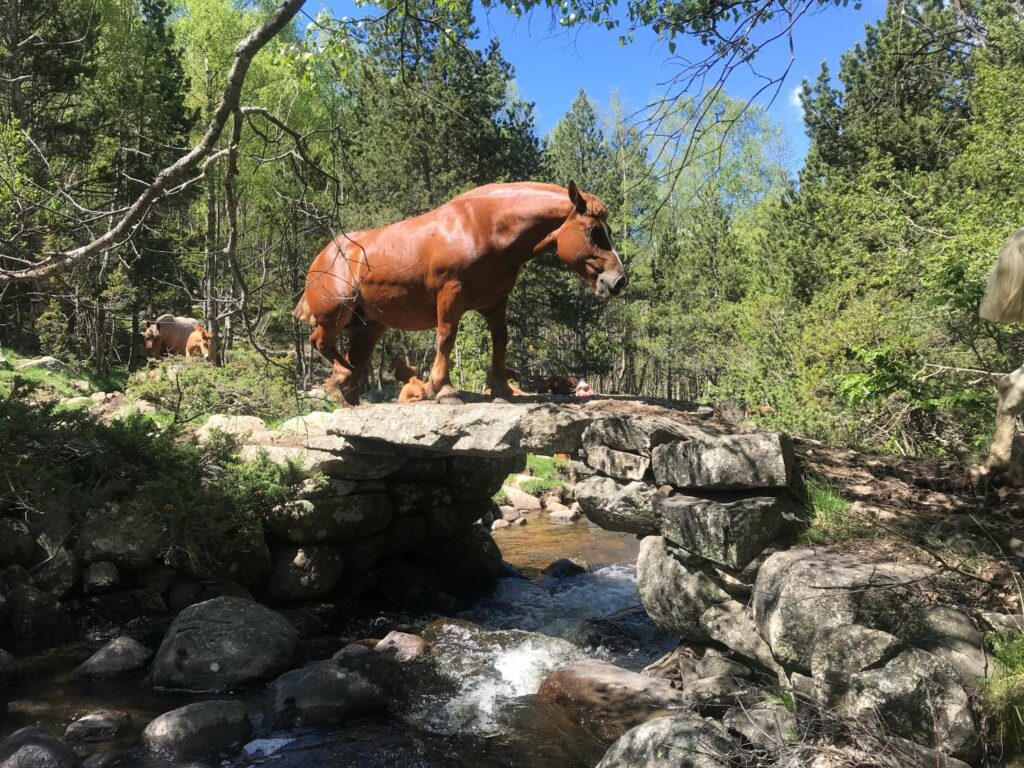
(429, 270)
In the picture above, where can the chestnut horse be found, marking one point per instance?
(427, 271)
(199, 342)
(168, 334)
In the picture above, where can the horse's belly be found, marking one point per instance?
(408, 310)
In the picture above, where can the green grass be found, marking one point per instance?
(1004, 692)
(546, 474)
(829, 518)
(56, 383)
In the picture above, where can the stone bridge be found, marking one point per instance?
(407, 485)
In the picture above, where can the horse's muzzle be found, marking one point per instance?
(610, 284)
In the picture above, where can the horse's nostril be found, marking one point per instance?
(619, 284)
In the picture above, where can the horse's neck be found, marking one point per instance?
(538, 222)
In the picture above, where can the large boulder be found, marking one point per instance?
(638, 434)
(916, 696)
(682, 741)
(615, 506)
(16, 542)
(9, 668)
(33, 620)
(728, 462)
(842, 651)
(618, 464)
(45, 363)
(132, 536)
(800, 592)
(120, 655)
(331, 519)
(342, 688)
(731, 533)
(223, 643)
(197, 730)
(35, 747)
(950, 634)
(521, 500)
(674, 595)
(609, 700)
(100, 577)
(302, 573)
(414, 498)
(98, 726)
(731, 624)
(244, 427)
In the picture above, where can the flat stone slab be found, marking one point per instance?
(731, 533)
(621, 465)
(730, 462)
(485, 429)
(641, 434)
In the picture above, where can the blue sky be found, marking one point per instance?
(552, 63)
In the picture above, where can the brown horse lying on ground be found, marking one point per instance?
(563, 385)
(199, 342)
(428, 271)
(168, 335)
(414, 389)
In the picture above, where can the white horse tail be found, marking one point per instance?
(1004, 296)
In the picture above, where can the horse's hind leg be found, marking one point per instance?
(364, 338)
(325, 339)
(1010, 406)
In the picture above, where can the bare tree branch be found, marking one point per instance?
(169, 178)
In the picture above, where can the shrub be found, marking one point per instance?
(56, 461)
(248, 385)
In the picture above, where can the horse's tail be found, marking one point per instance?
(303, 313)
(1004, 296)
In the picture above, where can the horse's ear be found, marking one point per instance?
(577, 197)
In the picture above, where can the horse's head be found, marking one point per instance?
(403, 371)
(584, 244)
(201, 340)
(151, 340)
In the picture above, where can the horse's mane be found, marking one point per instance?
(596, 207)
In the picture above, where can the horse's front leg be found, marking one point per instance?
(497, 324)
(449, 312)
(1009, 407)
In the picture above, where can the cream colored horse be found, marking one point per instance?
(1004, 303)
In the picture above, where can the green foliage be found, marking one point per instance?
(60, 461)
(547, 467)
(247, 385)
(1004, 692)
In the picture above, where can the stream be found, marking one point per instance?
(475, 706)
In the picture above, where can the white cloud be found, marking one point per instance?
(794, 97)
